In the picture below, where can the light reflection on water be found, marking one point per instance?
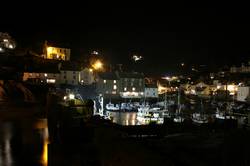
(5, 148)
(123, 118)
(20, 142)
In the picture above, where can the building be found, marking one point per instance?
(243, 93)
(108, 84)
(151, 91)
(40, 71)
(132, 85)
(51, 71)
(119, 84)
(50, 77)
(69, 73)
(242, 69)
(87, 76)
(56, 53)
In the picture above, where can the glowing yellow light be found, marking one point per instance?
(90, 70)
(97, 65)
(71, 96)
(49, 50)
(45, 153)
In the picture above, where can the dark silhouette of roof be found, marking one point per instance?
(131, 75)
(108, 76)
(70, 66)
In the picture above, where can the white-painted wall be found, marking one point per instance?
(243, 93)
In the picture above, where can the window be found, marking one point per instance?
(64, 77)
(73, 82)
(51, 81)
(45, 74)
(104, 81)
(114, 81)
(125, 89)
(64, 72)
(74, 72)
(74, 77)
(133, 89)
(114, 87)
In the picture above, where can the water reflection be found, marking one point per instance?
(123, 118)
(5, 146)
(24, 142)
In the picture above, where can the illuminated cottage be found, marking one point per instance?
(56, 53)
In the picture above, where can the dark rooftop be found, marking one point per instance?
(131, 75)
(70, 66)
(108, 76)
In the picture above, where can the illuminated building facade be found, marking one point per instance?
(151, 91)
(108, 84)
(87, 76)
(58, 53)
(243, 93)
(125, 85)
(132, 85)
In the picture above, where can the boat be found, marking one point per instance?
(147, 115)
(200, 117)
(129, 107)
(222, 115)
(178, 117)
(112, 107)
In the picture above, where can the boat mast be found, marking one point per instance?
(179, 100)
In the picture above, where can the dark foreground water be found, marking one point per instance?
(23, 142)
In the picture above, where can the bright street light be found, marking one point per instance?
(98, 65)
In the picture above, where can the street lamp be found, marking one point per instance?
(98, 65)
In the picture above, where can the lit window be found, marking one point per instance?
(51, 81)
(114, 87)
(104, 81)
(133, 89)
(114, 81)
(125, 89)
(45, 74)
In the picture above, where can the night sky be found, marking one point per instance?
(164, 34)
